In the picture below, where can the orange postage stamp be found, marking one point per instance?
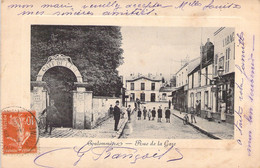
(19, 132)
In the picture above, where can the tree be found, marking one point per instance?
(95, 50)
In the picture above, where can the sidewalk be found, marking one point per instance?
(103, 130)
(211, 128)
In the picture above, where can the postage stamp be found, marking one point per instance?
(19, 131)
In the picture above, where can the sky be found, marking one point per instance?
(160, 49)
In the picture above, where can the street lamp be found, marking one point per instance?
(220, 72)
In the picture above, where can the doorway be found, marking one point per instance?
(60, 81)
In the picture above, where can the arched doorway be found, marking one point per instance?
(60, 81)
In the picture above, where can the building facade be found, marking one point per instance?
(200, 81)
(224, 60)
(144, 88)
(179, 95)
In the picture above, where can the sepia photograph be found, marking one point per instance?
(133, 82)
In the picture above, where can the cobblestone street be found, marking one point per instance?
(104, 130)
(149, 129)
(152, 129)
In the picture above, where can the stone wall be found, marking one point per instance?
(101, 108)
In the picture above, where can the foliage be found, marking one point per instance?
(95, 50)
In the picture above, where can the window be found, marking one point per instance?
(153, 86)
(206, 76)
(227, 60)
(132, 86)
(191, 100)
(198, 96)
(142, 96)
(142, 86)
(216, 65)
(199, 78)
(221, 62)
(182, 78)
(152, 97)
(206, 98)
(132, 97)
(164, 96)
(192, 81)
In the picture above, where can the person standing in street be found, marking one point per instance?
(153, 113)
(116, 115)
(52, 116)
(144, 112)
(170, 103)
(159, 114)
(167, 115)
(149, 114)
(129, 112)
(139, 114)
(198, 107)
(223, 111)
(192, 117)
(138, 102)
(111, 109)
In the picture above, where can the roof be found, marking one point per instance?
(193, 64)
(209, 62)
(150, 77)
(167, 89)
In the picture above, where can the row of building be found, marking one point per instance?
(209, 78)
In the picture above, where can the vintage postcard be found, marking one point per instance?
(130, 83)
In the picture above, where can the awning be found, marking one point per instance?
(179, 89)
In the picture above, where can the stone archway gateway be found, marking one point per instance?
(82, 99)
(59, 60)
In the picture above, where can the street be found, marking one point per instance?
(152, 129)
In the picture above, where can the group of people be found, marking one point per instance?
(194, 111)
(146, 113)
(151, 114)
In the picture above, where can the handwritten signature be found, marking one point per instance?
(247, 70)
(211, 5)
(107, 152)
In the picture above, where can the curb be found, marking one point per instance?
(199, 128)
(122, 127)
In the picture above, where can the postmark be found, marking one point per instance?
(19, 131)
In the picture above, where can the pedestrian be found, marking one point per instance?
(138, 102)
(198, 107)
(136, 105)
(153, 113)
(167, 115)
(185, 119)
(139, 114)
(170, 103)
(144, 112)
(149, 114)
(52, 116)
(192, 117)
(111, 109)
(123, 110)
(116, 115)
(129, 112)
(223, 111)
(159, 111)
